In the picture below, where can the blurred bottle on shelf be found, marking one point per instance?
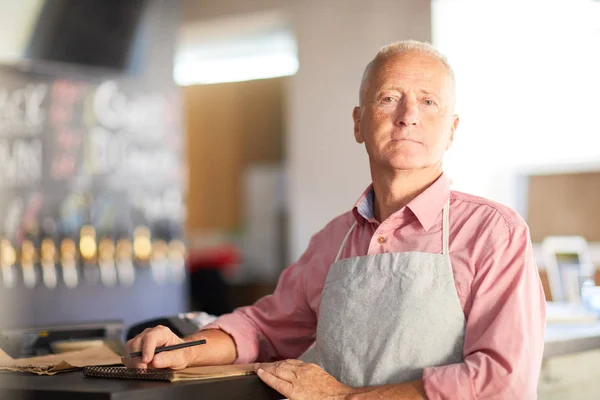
(124, 261)
(169, 250)
(177, 271)
(8, 258)
(106, 262)
(159, 262)
(68, 262)
(142, 247)
(88, 249)
(28, 260)
(48, 263)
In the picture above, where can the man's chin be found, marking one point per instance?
(401, 161)
(403, 167)
(406, 163)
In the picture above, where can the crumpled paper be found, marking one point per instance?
(55, 363)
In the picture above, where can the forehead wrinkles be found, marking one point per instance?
(426, 71)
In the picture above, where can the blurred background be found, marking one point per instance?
(162, 157)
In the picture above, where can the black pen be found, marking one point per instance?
(168, 348)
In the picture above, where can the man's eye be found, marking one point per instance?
(429, 102)
(388, 99)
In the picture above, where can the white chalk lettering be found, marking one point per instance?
(22, 111)
(103, 152)
(142, 115)
(20, 162)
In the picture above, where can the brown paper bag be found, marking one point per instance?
(5, 358)
(54, 363)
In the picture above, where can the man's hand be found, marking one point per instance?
(219, 349)
(148, 341)
(298, 380)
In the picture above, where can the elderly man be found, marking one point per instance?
(417, 292)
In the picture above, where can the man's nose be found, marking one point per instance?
(408, 113)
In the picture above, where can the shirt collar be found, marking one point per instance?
(364, 208)
(426, 206)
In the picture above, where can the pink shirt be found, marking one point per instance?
(495, 275)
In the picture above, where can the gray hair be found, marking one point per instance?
(397, 48)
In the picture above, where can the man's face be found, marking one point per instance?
(406, 118)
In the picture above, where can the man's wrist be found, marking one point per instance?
(192, 352)
(219, 349)
(412, 390)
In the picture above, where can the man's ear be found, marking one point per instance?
(455, 121)
(356, 117)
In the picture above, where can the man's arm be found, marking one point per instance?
(280, 325)
(222, 348)
(403, 391)
(504, 336)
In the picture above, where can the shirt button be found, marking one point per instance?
(381, 239)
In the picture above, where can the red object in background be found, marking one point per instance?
(217, 257)
(209, 291)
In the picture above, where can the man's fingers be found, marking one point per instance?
(286, 370)
(282, 386)
(147, 342)
(133, 345)
(269, 367)
(282, 369)
(158, 336)
(134, 363)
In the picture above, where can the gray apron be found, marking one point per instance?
(385, 317)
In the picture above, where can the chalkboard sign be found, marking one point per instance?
(91, 190)
(72, 152)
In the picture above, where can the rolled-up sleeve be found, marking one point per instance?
(504, 334)
(278, 326)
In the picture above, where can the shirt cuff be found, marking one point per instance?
(448, 382)
(243, 333)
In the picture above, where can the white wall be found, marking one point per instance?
(528, 76)
(336, 38)
(328, 170)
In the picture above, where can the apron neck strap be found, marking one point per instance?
(446, 227)
(339, 253)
